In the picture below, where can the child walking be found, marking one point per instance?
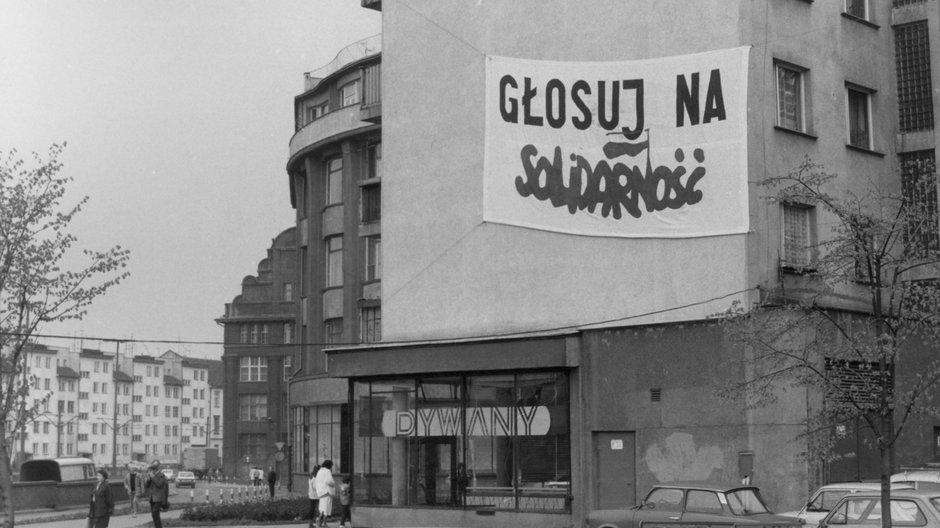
(345, 499)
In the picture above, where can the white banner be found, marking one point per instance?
(651, 148)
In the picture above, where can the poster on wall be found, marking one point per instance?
(648, 148)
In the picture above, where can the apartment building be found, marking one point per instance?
(550, 343)
(118, 411)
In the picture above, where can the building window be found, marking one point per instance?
(919, 188)
(323, 425)
(288, 333)
(510, 467)
(334, 261)
(915, 93)
(287, 368)
(790, 104)
(288, 291)
(252, 446)
(370, 203)
(857, 8)
(252, 407)
(333, 331)
(349, 93)
(334, 181)
(797, 236)
(315, 112)
(264, 334)
(373, 164)
(243, 337)
(254, 334)
(253, 368)
(373, 258)
(370, 324)
(859, 117)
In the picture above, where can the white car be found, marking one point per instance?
(824, 498)
(918, 479)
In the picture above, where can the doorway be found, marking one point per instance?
(614, 469)
(436, 465)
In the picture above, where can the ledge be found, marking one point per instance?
(795, 132)
(861, 21)
(865, 150)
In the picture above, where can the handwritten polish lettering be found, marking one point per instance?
(551, 104)
(616, 188)
(687, 99)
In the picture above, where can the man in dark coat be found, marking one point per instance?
(158, 489)
(272, 480)
(102, 503)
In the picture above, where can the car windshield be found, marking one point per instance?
(186, 474)
(745, 502)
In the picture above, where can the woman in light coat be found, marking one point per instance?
(325, 488)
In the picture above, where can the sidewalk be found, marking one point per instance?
(64, 518)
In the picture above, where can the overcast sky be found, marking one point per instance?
(177, 115)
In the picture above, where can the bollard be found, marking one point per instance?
(207, 495)
(231, 494)
(192, 496)
(221, 495)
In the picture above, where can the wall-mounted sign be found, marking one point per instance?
(649, 148)
(616, 444)
(480, 421)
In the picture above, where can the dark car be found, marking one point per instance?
(908, 508)
(705, 503)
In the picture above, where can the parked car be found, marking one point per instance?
(824, 498)
(169, 474)
(918, 479)
(908, 508)
(694, 502)
(186, 478)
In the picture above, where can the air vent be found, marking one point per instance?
(656, 395)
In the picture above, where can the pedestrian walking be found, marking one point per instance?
(158, 489)
(312, 495)
(326, 489)
(102, 502)
(272, 480)
(132, 485)
(345, 500)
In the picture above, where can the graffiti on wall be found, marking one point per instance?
(654, 148)
(677, 457)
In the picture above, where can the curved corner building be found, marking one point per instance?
(572, 191)
(335, 171)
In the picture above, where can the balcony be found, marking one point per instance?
(341, 121)
(371, 107)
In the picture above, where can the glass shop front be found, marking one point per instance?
(488, 441)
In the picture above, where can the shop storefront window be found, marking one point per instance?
(494, 441)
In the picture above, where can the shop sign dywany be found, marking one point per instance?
(480, 421)
(648, 148)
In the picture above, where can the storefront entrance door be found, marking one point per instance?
(615, 469)
(437, 463)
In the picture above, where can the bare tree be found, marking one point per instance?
(36, 286)
(881, 251)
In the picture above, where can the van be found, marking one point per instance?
(58, 469)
